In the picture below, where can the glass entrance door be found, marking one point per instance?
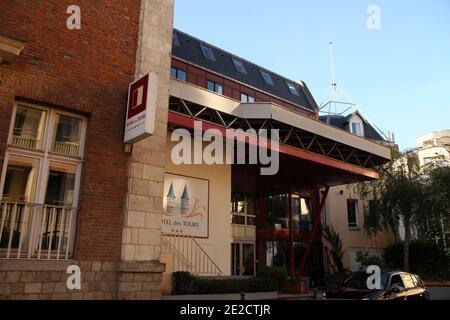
(243, 259)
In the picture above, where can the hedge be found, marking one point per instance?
(426, 258)
(185, 283)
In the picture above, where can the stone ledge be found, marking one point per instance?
(142, 266)
(35, 265)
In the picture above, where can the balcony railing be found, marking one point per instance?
(28, 143)
(66, 148)
(36, 231)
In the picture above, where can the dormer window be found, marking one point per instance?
(175, 40)
(356, 125)
(239, 65)
(356, 129)
(208, 53)
(267, 78)
(292, 88)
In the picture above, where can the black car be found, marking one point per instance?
(395, 285)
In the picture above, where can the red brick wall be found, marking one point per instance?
(85, 70)
(233, 89)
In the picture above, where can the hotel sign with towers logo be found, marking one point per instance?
(186, 206)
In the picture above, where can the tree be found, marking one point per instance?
(336, 247)
(398, 196)
(438, 187)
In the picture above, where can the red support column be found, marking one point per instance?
(291, 235)
(260, 234)
(313, 232)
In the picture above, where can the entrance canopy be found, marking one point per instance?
(312, 153)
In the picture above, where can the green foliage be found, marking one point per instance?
(181, 281)
(336, 247)
(278, 274)
(365, 259)
(185, 283)
(426, 258)
(405, 192)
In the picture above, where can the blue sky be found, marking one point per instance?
(399, 75)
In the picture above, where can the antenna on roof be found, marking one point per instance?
(333, 81)
(333, 102)
(348, 104)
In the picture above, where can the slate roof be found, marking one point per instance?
(188, 48)
(341, 122)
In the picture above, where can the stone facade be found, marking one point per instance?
(100, 280)
(142, 229)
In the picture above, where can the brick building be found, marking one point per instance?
(63, 162)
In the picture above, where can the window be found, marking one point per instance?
(408, 281)
(277, 212)
(396, 281)
(247, 98)
(352, 211)
(267, 78)
(39, 190)
(175, 40)
(239, 65)
(208, 53)
(178, 74)
(67, 135)
(214, 86)
(301, 213)
(243, 260)
(292, 88)
(28, 128)
(356, 129)
(243, 209)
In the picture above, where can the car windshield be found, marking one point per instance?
(358, 280)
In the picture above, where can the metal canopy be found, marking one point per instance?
(291, 138)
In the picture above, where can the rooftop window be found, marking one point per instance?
(208, 53)
(175, 40)
(267, 78)
(239, 65)
(292, 88)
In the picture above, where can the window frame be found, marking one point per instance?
(244, 213)
(177, 73)
(46, 155)
(356, 224)
(247, 98)
(237, 62)
(292, 89)
(211, 58)
(240, 257)
(175, 39)
(215, 85)
(45, 158)
(263, 72)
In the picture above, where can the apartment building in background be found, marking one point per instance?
(345, 208)
(433, 148)
(67, 180)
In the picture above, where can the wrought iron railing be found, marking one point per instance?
(36, 231)
(188, 255)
